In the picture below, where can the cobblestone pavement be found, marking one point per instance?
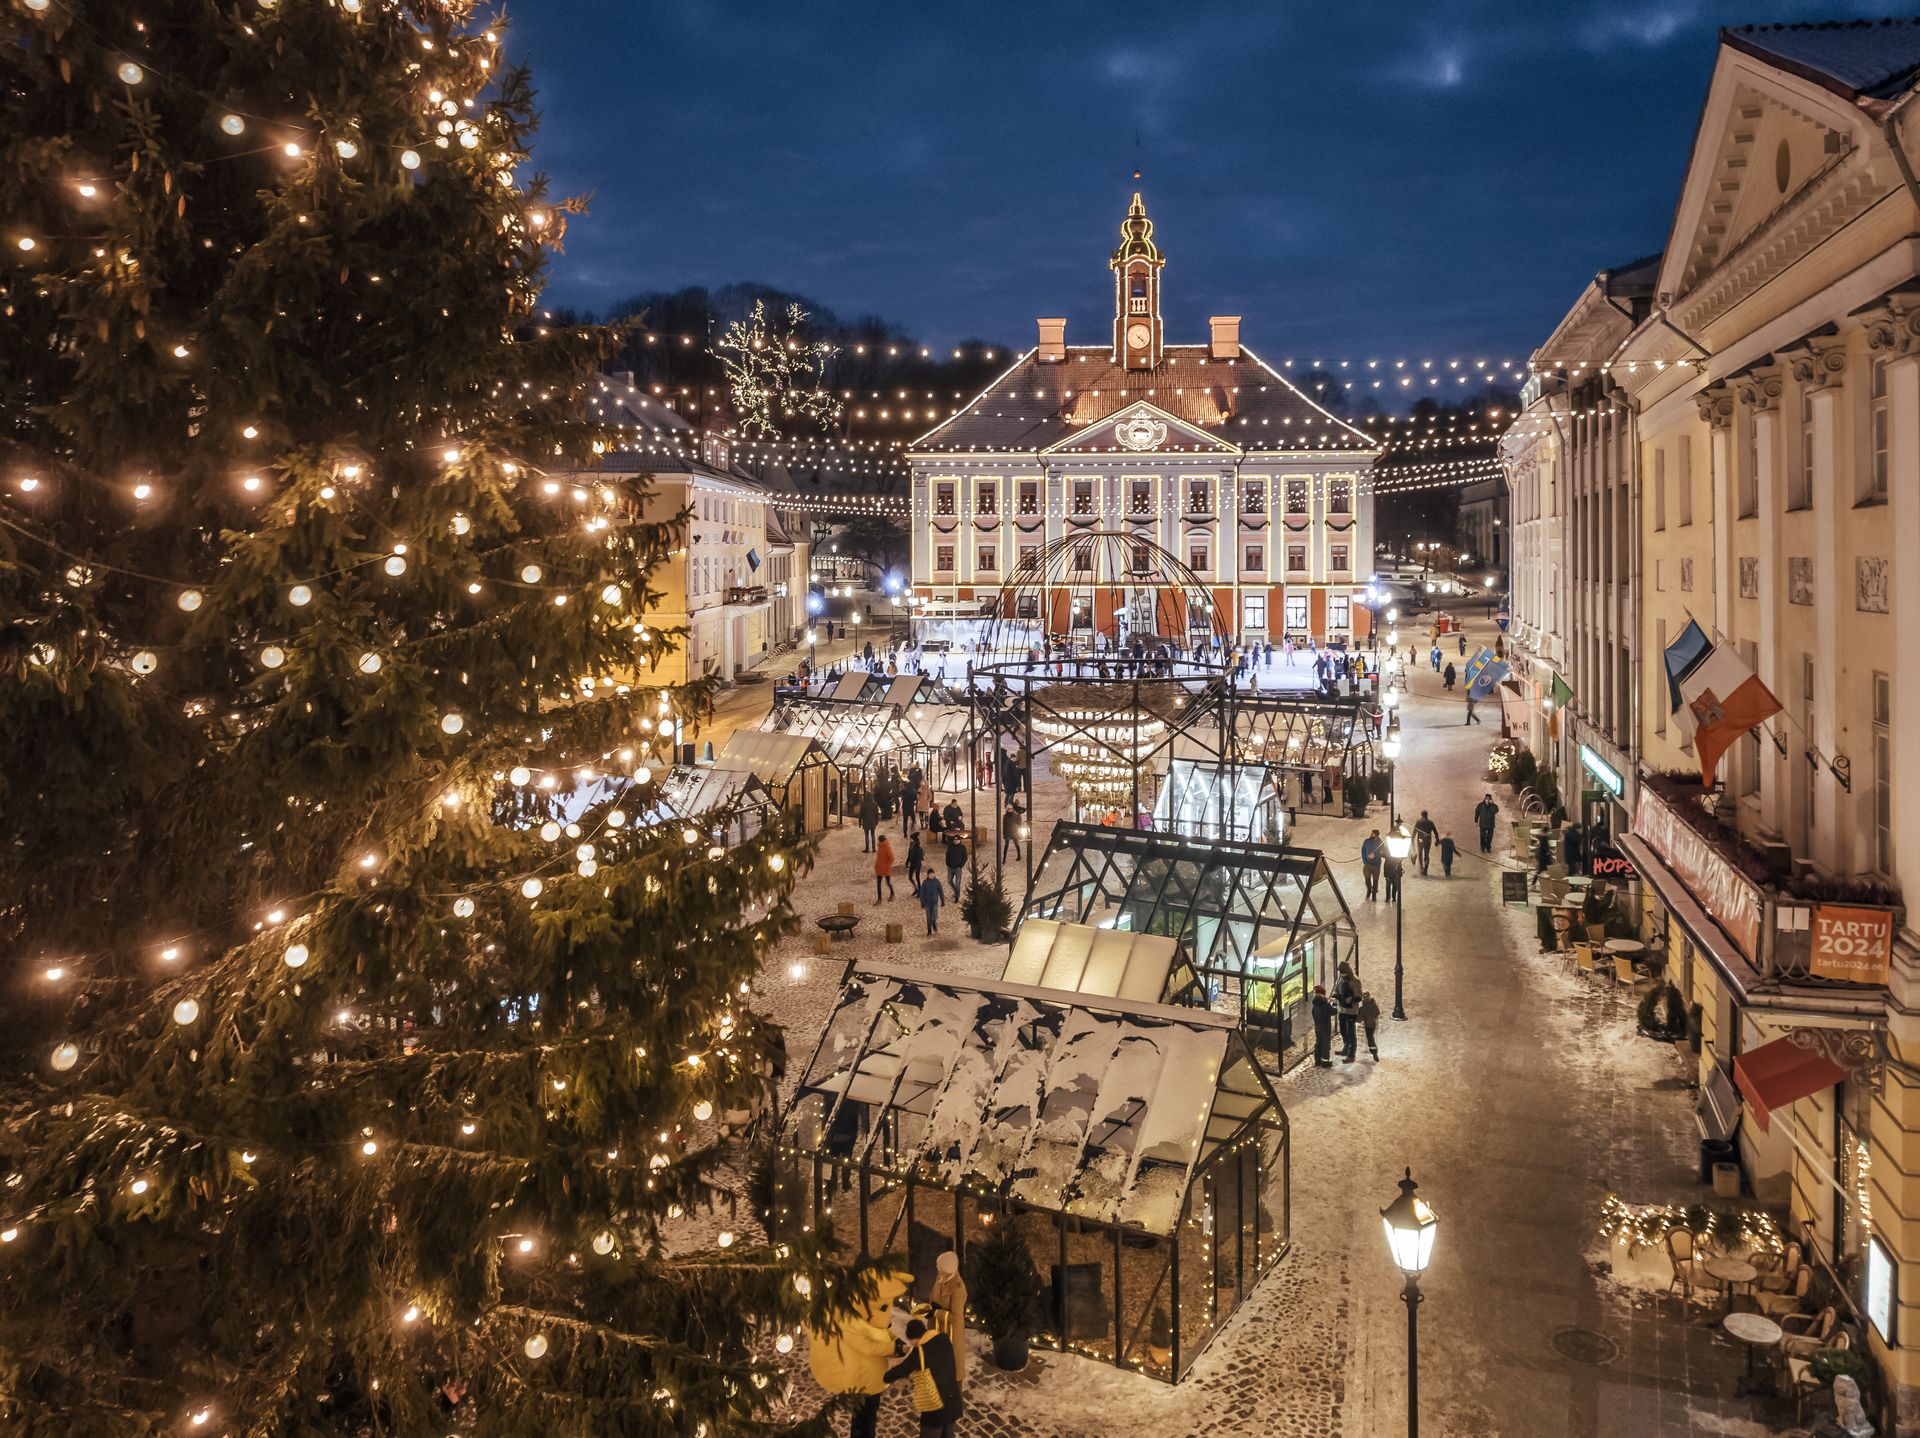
(1520, 1097)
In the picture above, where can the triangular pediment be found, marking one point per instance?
(1142, 428)
(1767, 142)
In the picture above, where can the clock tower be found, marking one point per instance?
(1137, 338)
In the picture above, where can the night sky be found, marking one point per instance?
(1357, 180)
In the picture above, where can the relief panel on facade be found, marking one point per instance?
(1749, 576)
(1871, 584)
(1800, 579)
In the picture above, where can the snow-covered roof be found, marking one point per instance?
(770, 758)
(1093, 1106)
(854, 734)
(1089, 960)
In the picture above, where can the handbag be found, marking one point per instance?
(926, 1392)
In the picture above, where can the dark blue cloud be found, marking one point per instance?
(1359, 180)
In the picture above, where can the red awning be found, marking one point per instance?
(1775, 1074)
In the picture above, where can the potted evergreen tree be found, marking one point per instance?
(1004, 1288)
(1160, 1337)
(986, 908)
(1663, 1014)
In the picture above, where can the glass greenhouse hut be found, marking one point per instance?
(1137, 1147)
(1261, 923)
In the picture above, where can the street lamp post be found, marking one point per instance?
(1399, 844)
(1410, 1223)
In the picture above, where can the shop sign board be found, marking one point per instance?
(1851, 943)
(1608, 776)
(1612, 864)
(1729, 897)
(1880, 1289)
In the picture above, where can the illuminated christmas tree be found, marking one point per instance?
(367, 1023)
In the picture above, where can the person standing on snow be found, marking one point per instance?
(1424, 833)
(931, 897)
(855, 1359)
(930, 1349)
(1322, 1028)
(869, 820)
(956, 863)
(1369, 1021)
(916, 864)
(883, 868)
(949, 1303)
(1346, 998)
(1447, 848)
(1486, 814)
(1371, 853)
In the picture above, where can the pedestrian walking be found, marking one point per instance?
(1346, 1002)
(1392, 869)
(883, 868)
(1322, 1009)
(931, 897)
(1463, 641)
(1542, 852)
(1447, 849)
(1435, 657)
(909, 803)
(869, 820)
(1369, 1021)
(1576, 849)
(1425, 831)
(1010, 830)
(1448, 675)
(1485, 814)
(956, 861)
(1372, 851)
(916, 863)
(1472, 718)
(931, 1351)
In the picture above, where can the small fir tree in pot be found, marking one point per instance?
(1004, 1288)
(985, 908)
(1160, 1337)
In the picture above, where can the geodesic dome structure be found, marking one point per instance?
(1103, 591)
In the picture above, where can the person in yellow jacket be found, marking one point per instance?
(857, 1358)
(949, 1301)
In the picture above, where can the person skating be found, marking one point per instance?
(869, 820)
(956, 864)
(916, 864)
(1372, 851)
(1369, 1021)
(931, 896)
(1322, 1009)
(883, 868)
(1447, 849)
(1346, 999)
(931, 1349)
(1485, 815)
(1425, 831)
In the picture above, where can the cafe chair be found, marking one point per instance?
(1777, 1269)
(1683, 1254)
(1814, 1330)
(1597, 932)
(1790, 1300)
(1802, 1382)
(1583, 958)
(1623, 971)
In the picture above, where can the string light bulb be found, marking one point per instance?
(64, 1056)
(452, 723)
(273, 656)
(532, 888)
(145, 662)
(233, 125)
(299, 596)
(186, 1011)
(190, 600)
(369, 663)
(130, 73)
(519, 775)
(536, 1346)
(296, 956)
(531, 574)
(603, 1243)
(463, 908)
(410, 159)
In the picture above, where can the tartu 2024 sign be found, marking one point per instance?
(1851, 943)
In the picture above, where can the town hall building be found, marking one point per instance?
(1203, 449)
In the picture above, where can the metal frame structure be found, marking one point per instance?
(861, 737)
(1308, 739)
(1261, 923)
(1138, 1148)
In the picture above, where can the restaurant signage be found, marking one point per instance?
(1608, 776)
(1611, 864)
(1880, 1289)
(1728, 896)
(1851, 943)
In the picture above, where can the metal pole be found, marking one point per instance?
(1411, 1296)
(1399, 972)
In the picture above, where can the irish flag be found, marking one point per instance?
(1715, 697)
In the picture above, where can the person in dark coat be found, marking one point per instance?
(1576, 850)
(1346, 998)
(1369, 1021)
(931, 897)
(956, 863)
(1463, 641)
(1447, 849)
(869, 820)
(1485, 814)
(916, 864)
(1010, 829)
(1372, 852)
(1449, 674)
(1393, 869)
(955, 816)
(1424, 833)
(1542, 852)
(1322, 1028)
(933, 1349)
(909, 803)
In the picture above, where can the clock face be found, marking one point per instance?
(1138, 335)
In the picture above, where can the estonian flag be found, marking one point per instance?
(1714, 696)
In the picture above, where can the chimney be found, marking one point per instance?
(1053, 341)
(1225, 341)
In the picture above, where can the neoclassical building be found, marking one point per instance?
(1203, 449)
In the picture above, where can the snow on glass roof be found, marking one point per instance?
(1098, 1107)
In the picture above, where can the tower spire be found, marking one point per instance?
(1137, 334)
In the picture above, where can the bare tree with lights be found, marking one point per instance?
(775, 372)
(365, 1033)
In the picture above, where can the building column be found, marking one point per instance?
(1760, 391)
(1716, 408)
(1903, 665)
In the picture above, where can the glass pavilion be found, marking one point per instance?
(1138, 1148)
(1317, 747)
(1261, 924)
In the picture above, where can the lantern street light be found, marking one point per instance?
(1410, 1223)
(1399, 843)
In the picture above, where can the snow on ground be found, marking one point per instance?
(1517, 1092)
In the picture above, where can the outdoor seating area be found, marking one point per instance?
(1773, 1300)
